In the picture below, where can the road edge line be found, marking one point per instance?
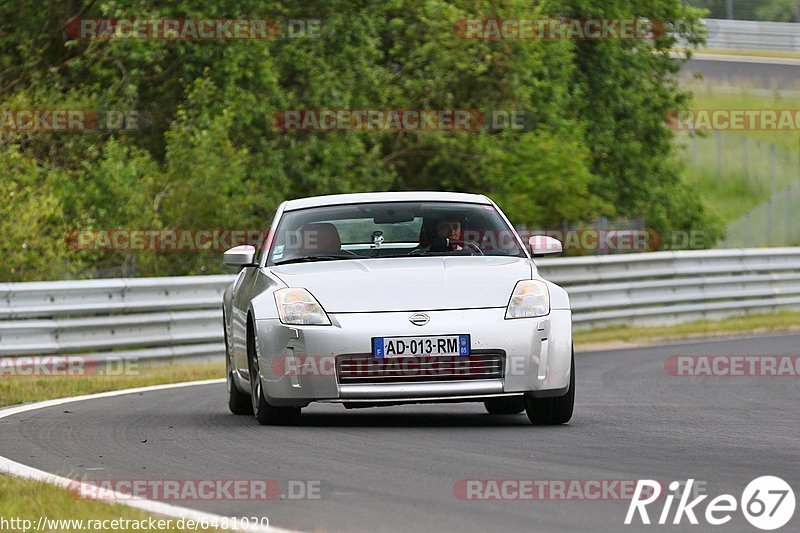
(7, 466)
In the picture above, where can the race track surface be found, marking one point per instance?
(395, 468)
(759, 75)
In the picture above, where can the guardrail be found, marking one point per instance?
(145, 318)
(180, 317)
(752, 35)
(664, 288)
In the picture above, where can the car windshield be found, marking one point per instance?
(396, 229)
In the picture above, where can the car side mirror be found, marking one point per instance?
(240, 256)
(542, 245)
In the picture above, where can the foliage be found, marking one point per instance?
(205, 153)
(778, 11)
(768, 10)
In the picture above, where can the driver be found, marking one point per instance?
(447, 237)
(451, 231)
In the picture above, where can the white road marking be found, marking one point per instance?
(7, 466)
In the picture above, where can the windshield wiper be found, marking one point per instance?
(312, 258)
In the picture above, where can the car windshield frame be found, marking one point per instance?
(501, 225)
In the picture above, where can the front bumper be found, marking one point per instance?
(298, 363)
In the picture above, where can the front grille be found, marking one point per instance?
(365, 369)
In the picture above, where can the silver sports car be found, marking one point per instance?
(393, 298)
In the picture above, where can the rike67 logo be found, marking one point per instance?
(767, 503)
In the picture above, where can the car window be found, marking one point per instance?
(360, 231)
(263, 241)
(392, 229)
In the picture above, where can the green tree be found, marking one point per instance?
(206, 153)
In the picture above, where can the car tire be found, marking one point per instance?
(553, 411)
(238, 402)
(513, 405)
(266, 414)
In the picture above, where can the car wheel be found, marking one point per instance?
(238, 402)
(505, 406)
(265, 413)
(552, 411)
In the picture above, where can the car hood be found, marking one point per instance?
(408, 283)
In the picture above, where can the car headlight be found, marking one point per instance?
(298, 307)
(529, 299)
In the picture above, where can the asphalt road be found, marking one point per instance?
(395, 468)
(763, 75)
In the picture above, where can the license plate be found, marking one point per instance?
(420, 346)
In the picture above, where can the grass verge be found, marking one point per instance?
(23, 389)
(746, 94)
(733, 171)
(28, 500)
(629, 336)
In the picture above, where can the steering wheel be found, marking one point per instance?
(468, 243)
(422, 251)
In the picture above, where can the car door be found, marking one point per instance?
(241, 295)
(240, 301)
